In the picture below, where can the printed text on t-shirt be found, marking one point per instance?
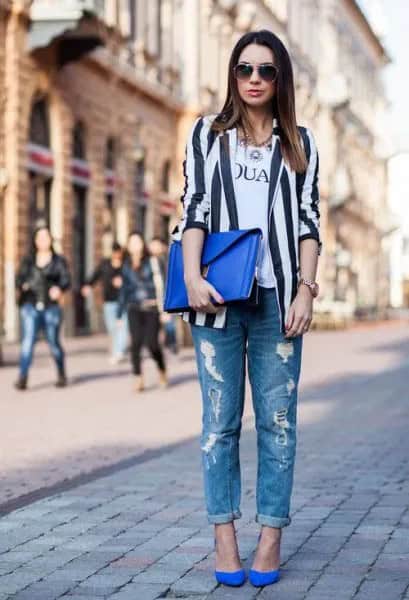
(251, 173)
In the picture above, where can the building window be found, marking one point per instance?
(78, 141)
(110, 154)
(109, 213)
(41, 167)
(159, 28)
(166, 176)
(140, 196)
(165, 225)
(39, 123)
(133, 11)
(39, 201)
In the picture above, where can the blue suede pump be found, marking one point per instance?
(260, 578)
(235, 578)
(232, 578)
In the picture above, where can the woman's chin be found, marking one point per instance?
(255, 102)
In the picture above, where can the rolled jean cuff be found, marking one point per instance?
(273, 521)
(226, 518)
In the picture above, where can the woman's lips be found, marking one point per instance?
(254, 92)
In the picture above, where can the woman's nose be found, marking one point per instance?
(255, 78)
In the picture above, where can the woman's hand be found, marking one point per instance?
(55, 293)
(300, 313)
(164, 318)
(86, 290)
(200, 292)
(117, 281)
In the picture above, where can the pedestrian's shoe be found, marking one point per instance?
(117, 359)
(21, 383)
(139, 384)
(231, 578)
(61, 380)
(262, 578)
(163, 379)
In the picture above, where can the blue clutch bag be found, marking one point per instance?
(229, 260)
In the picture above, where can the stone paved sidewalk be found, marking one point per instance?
(141, 533)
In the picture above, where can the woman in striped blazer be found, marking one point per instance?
(252, 166)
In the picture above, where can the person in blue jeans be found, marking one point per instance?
(251, 165)
(42, 278)
(109, 273)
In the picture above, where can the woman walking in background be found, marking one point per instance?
(249, 166)
(109, 272)
(41, 280)
(142, 296)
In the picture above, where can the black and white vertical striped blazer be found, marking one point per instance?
(209, 203)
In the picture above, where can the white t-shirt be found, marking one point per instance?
(251, 187)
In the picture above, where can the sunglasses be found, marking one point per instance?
(267, 71)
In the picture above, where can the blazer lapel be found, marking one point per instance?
(226, 142)
(275, 174)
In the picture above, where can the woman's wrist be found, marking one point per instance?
(304, 291)
(191, 278)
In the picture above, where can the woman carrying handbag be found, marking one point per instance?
(252, 166)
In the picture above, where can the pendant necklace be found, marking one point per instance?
(255, 154)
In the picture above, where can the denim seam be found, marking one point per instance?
(230, 476)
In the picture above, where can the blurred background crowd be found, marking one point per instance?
(96, 100)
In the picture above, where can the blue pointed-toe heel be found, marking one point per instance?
(262, 578)
(232, 578)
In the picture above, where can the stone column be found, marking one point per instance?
(96, 141)
(16, 115)
(3, 173)
(191, 74)
(61, 217)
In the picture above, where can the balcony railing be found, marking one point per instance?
(72, 27)
(66, 10)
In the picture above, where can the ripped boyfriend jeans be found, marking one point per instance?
(274, 368)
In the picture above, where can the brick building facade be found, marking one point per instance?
(88, 148)
(97, 98)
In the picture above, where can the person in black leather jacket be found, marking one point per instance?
(109, 273)
(41, 280)
(141, 295)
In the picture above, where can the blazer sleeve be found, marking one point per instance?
(308, 192)
(195, 197)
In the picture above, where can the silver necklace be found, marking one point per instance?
(256, 154)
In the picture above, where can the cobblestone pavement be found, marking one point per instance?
(141, 532)
(49, 435)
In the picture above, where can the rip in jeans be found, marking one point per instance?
(208, 447)
(208, 351)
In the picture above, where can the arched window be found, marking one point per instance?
(166, 176)
(78, 141)
(110, 153)
(39, 123)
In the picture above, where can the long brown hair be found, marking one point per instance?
(234, 111)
